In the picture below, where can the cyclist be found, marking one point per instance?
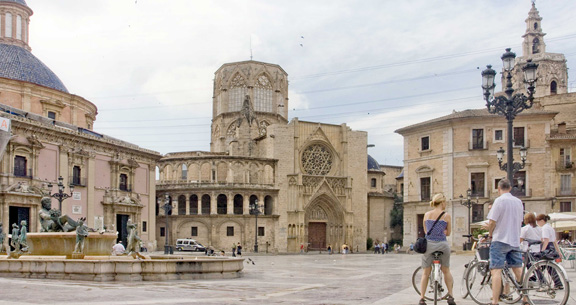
(531, 231)
(549, 243)
(505, 221)
(436, 240)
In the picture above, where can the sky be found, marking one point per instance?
(376, 65)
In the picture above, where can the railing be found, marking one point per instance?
(475, 146)
(77, 181)
(125, 187)
(565, 166)
(569, 191)
(23, 173)
(208, 183)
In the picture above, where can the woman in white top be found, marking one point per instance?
(548, 233)
(531, 231)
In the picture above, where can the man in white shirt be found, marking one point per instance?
(118, 248)
(505, 222)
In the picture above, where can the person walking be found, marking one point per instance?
(233, 249)
(239, 249)
(437, 226)
(549, 244)
(505, 221)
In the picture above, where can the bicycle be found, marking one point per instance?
(480, 254)
(545, 282)
(436, 290)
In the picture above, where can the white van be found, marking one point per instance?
(186, 244)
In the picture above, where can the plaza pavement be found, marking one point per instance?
(310, 278)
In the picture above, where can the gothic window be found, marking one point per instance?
(263, 94)
(553, 88)
(8, 23)
(20, 166)
(317, 160)
(535, 46)
(238, 90)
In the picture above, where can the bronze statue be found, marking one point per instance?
(81, 234)
(22, 237)
(15, 240)
(52, 221)
(2, 236)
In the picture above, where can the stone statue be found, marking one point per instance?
(15, 240)
(2, 236)
(248, 111)
(81, 234)
(134, 240)
(23, 235)
(52, 221)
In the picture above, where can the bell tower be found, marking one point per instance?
(248, 97)
(552, 70)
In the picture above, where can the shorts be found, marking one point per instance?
(433, 246)
(501, 253)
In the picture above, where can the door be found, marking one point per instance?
(16, 215)
(316, 235)
(122, 227)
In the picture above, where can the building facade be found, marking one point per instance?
(457, 152)
(309, 178)
(53, 137)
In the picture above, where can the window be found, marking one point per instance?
(18, 27)
(496, 181)
(553, 88)
(260, 231)
(123, 182)
(565, 158)
(181, 205)
(162, 231)
(184, 172)
(565, 184)
(268, 205)
(8, 27)
(263, 94)
(238, 91)
(193, 204)
(52, 115)
(76, 174)
(194, 231)
(535, 25)
(221, 204)
(498, 135)
(425, 143)
(565, 206)
(477, 184)
(205, 204)
(20, 166)
(238, 204)
(373, 182)
(477, 138)
(519, 184)
(425, 188)
(144, 226)
(477, 212)
(229, 231)
(519, 136)
(535, 46)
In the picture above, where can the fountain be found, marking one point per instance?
(59, 253)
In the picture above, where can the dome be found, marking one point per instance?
(373, 164)
(19, 64)
(15, 1)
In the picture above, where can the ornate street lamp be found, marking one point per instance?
(61, 196)
(509, 105)
(255, 209)
(468, 203)
(167, 209)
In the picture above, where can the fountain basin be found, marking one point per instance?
(63, 243)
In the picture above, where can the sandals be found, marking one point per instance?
(450, 300)
(422, 302)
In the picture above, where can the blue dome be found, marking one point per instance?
(373, 164)
(16, 1)
(19, 64)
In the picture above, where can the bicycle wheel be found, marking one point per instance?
(546, 284)
(479, 283)
(429, 295)
(463, 288)
(509, 294)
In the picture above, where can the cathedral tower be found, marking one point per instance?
(248, 97)
(552, 70)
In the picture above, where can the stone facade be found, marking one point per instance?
(310, 178)
(52, 136)
(457, 152)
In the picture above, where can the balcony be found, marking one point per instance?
(478, 146)
(564, 166)
(566, 192)
(77, 181)
(23, 173)
(207, 184)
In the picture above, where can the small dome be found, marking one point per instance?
(19, 64)
(16, 1)
(373, 164)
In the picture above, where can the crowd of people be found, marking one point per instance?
(506, 234)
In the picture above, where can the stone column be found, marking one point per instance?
(187, 204)
(246, 207)
(230, 203)
(213, 205)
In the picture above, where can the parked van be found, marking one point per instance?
(186, 244)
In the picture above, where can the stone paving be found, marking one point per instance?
(272, 279)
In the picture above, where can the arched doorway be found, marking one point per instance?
(325, 222)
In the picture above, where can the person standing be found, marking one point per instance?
(505, 222)
(239, 249)
(233, 249)
(438, 226)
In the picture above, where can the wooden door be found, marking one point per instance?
(317, 235)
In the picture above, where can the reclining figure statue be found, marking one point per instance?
(52, 221)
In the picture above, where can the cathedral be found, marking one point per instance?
(284, 185)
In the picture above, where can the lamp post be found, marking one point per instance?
(509, 105)
(468, 203)
(255, 209)
(167, 209)
(61, 196)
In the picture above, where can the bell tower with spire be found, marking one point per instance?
(552, 70)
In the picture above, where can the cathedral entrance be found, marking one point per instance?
(316, 236)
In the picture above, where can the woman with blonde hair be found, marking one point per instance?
(530, 231)
(436, 239)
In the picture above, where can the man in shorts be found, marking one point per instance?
(505, 221)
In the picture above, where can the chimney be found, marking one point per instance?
(562, 128)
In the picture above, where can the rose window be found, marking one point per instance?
(317, 160)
